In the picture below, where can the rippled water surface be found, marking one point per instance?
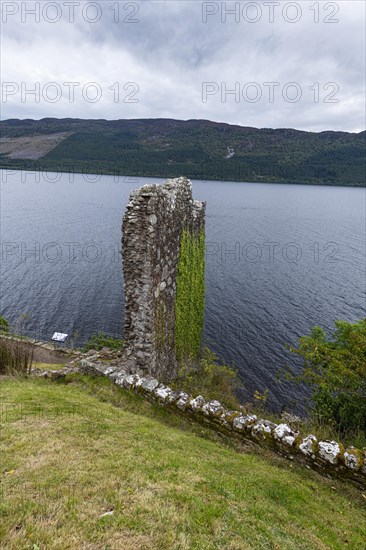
(279, 259)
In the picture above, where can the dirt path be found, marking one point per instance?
(44, 355)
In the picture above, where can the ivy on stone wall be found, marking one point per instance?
(190, 295)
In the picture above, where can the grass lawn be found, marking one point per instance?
(76, 450)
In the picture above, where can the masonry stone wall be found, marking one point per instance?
(330, 458)
(152, 229)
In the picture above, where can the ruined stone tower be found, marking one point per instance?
(163, 259)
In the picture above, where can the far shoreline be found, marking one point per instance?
(14, 171)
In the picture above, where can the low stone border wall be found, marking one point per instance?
(328, 457)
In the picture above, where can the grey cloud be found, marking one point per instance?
(170, 52)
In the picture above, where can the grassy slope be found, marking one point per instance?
(70, 453)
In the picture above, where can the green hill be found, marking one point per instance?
(85, 464)
(196, 148)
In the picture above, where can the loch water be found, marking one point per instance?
(280, 258)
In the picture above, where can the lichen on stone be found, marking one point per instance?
(197, 403)
(308, 446)
(227, 418)
(213, 408)
(353, 458)
(175, 396)
(182, 402)
(150, 384)
(284, 434)
(241, 422)
(262, 429)
(330, 451)
(130, 380)
(162, 392)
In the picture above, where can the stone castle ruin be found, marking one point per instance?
(163, 246)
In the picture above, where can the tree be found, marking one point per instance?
(4, 325)
(336, 370)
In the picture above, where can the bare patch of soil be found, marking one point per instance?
(41, 355)
(31, 147)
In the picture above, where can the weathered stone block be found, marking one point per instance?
(330, 451)
(262, 429)
(285, 435)
(242, 422)
(213, 408)
(353, 459)
(182, 402)
(150, 384)
(197, 403)
(163, 392)
(308, 446)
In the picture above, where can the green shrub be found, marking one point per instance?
(101, 340)
(209, 378)
(4, 325)
(336, 371)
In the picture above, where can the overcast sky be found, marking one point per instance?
(288, 64)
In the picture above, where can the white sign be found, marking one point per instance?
(59, 337)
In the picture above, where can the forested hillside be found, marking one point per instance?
(199, 149)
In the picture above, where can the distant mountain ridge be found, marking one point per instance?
(199, 149)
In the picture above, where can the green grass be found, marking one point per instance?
(101, 340)
(71, 452)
